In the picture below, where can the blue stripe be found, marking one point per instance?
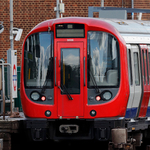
(148, 112)
(131, 112)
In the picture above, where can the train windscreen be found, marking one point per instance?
(103, 59)
(38, 60)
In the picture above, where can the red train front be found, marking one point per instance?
(74, 79)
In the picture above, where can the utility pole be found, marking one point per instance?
(11, 53)
(60, 9)
(132, 14)
(11, 25)
(102, 3)
(12, 60)
(57, 9)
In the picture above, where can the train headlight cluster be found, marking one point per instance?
(35, 96)
(107, 95)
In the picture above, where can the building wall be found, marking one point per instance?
(28, 13)
(144, 4)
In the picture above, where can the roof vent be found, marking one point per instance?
(122, 23)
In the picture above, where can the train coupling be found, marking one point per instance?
(69, 128)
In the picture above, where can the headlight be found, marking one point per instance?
(107, 95)
(98, 98)
(43, 98)
(35, 96)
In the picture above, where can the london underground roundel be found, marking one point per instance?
(14, 78)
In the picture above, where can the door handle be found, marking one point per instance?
(84, 69)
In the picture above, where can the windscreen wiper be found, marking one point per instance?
(92, 77)
(49, 73)
(67, 92)
(89, 71)
(94, 81)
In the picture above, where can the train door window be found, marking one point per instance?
(136, 69)
(144, 66)
(70, 70)
(130, 67)
(147, 67)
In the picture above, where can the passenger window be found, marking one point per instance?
(130, 67)
(144, 67)
(147, 67)
(136, 69)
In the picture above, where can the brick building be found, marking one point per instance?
(28, 13)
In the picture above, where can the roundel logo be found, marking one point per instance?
(14, 78)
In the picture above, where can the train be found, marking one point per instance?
(87, 78)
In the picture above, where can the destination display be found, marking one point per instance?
(70, 31)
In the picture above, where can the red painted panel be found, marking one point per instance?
(145, 76)
(78, 107)
(66, 107)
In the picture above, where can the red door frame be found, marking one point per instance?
(70, 108)
(146, 87)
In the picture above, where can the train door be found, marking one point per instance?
(145, 78)
(134, 80)
(130, 101)
(70, 79)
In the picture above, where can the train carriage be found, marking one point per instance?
(136, 36)
(86, 78)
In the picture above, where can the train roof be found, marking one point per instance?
(133, 31)
(92, 24)
(130, 26)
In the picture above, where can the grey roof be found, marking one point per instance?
(130, 26)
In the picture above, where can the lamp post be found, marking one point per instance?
(11, 25)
